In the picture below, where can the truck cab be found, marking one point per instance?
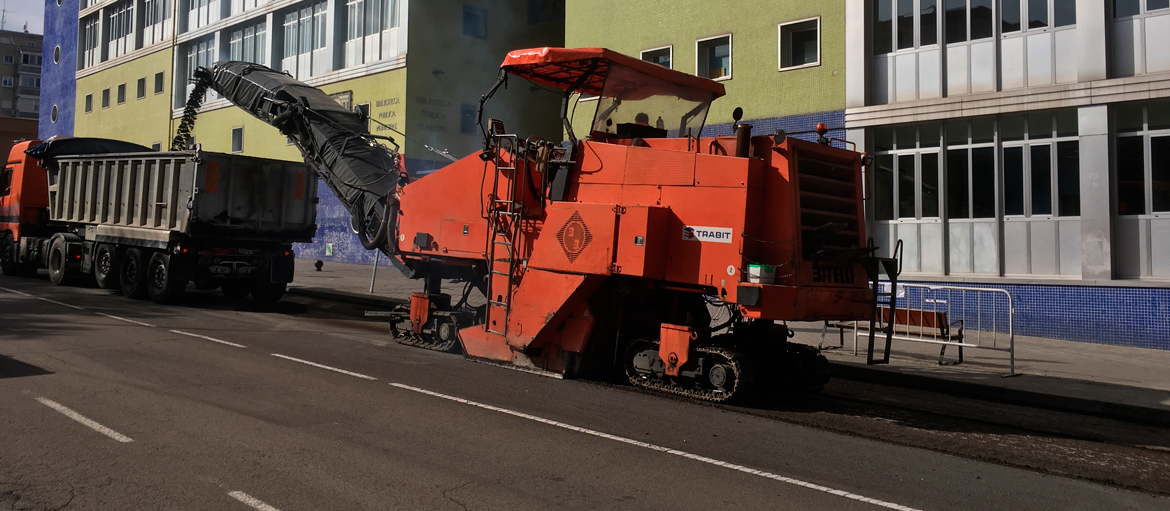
(24, 199)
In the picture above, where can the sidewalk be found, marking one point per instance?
(1120, 382)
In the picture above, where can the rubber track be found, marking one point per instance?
(739, 366)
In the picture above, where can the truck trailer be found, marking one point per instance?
(149, 223)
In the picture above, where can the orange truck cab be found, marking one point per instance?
(24, 202)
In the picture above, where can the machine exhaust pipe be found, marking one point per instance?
(743, 140)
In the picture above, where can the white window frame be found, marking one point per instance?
(232, 141)
(642, 54)
(730, 55)
(9, 59)
(7, 82)
(780, 44)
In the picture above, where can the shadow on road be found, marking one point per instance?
(12, 368)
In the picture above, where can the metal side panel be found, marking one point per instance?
(237, 194)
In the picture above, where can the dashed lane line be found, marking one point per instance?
(322, 366)
(251, 501)
(206, 338)
(111, 316)
(17, 292)
(667, 450)
(43, 299)
(84, 420)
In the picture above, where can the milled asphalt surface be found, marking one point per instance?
(208, 419)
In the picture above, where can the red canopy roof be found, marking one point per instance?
(563, 67)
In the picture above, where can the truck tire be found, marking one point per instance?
(236, 289)
(132, 274)
(105, 267)
(269, 292)
(58, 261)
(8, 259)
(161, 284)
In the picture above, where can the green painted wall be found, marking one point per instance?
(756, 83)
(143, 121)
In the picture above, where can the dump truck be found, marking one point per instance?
(149, 223)
(641, 248)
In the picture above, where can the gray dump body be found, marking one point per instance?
(164, 197)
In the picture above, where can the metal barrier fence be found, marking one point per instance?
(964, 317)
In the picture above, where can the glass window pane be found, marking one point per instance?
(1160, 173)
(927, 22)
(1010, 16)
(928, 134)
(1013, 180)
(1157, 4)
(1125, 8)
(1011, 127)
(1129, 117)
(1066, 123)
(906, 136)
(956, 132)
(1131, 176)
(956, 25)
(957, 206)
(906, 198)
(982, 130)
(883, 139)
(982, 19)
(983, 182)
(1037, 13)
(1068, 179)
(1040, 125)
(1065, 12)
(883, 26)
(883, 187)
(905, 24)
(1041, 179)
(1159, 114)
(930, 185)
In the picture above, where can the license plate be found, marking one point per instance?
(220, 270)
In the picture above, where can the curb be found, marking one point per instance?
(1124, 412)
(341, 296)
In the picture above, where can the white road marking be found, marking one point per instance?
(667, 450)
(15, 291)
(43, 299)
(212, 339)
(314, 364)
(84, 420)
(251, 501)
(111, 316)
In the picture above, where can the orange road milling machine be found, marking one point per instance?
(642, 248)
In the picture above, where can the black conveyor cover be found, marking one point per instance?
(52, 149)
(333, 140)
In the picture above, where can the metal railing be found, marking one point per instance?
(964, 317)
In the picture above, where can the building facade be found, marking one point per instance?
(20, 87)
(1022, 144)
(782, 62)
(134, 60)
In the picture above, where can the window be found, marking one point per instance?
(159, 82)
(475, 22)
(29, 59)
(890, 36)
(248, 44)
(367, 24)
(6, 81)
(121, 93)
(713, 58)
(141, 88)
(6, 182)
(120, 23)
(106, 98)
(467, 120)
(304, 31)
(238, 139)
(53, 115)
(88, 103)
(57, 55)
(907, 172)
(157, 146)
(9, 59)
(800, 44)
(1143, 158)
(91, 53)
(660, 56)
(29, 81)
(1123, 8)
(1034, 14)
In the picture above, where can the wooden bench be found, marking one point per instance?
(933, 325)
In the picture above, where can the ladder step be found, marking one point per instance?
(509, 243)
(500, 273)
(501, 304)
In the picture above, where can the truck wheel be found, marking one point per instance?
(269, 292)
(57, 262)
(105, 267)
(236, 289)
(132, 274)
(163, 287)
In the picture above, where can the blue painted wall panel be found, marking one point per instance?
(59, 79)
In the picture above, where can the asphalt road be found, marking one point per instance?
(107, 403)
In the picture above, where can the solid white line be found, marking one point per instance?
(212, 339)
(314, 364)
(667, 450)
(15, 291)
(251, 501)
(124, 319)
(84, 420)
(59, 303)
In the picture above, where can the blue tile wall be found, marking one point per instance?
(834, 119)
(1119, 316)
(58, 80)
